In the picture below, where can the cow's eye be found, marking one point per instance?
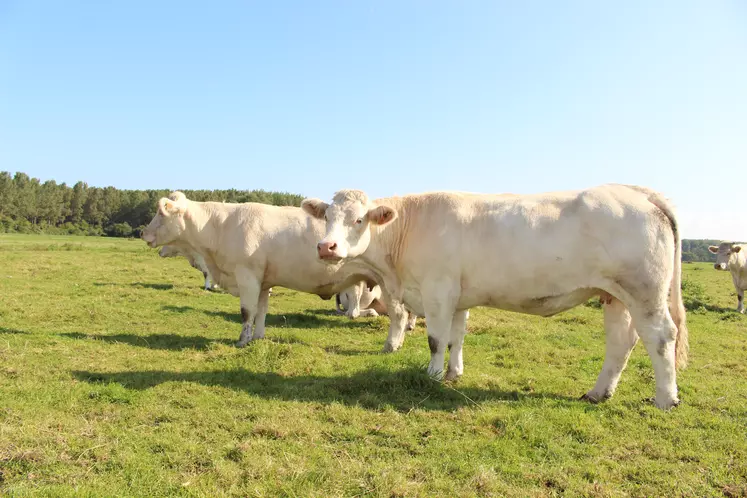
(359, 221)
(325, 217)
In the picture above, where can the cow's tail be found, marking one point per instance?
(676, 306)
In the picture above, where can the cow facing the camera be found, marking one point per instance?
(734, 258)
(442, 253)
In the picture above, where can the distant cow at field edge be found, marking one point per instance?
(734, 257)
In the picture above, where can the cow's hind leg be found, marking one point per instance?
(259, 321)
(621, 338)
(658, 333)
(458, 330)
(249, 290)
(740, 300)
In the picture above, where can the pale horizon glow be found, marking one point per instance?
(388, 97)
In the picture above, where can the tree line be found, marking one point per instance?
(29, 206)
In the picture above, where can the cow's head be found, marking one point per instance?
(168, 223)
(724, 253)
(349, 219)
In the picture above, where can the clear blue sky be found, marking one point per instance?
(388, 96)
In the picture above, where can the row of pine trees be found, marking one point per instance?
(29, 206)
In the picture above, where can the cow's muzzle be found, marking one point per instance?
(149, 239)
(327, 251)
(720, 266)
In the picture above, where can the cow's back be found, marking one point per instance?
(505, 250)
(277, 242)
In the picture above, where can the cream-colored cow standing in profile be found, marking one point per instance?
(734, 258)
(442, 253)
(251, 247)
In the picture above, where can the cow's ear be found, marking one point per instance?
(713, 249)
(736, 249)
(315, 207)
(166, 206)
(381, 215)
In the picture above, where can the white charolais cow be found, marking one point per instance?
(734, 258)
(195, 260)
(360, 300)
(251, 247)
(444, 253)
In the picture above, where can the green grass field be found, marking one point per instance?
(118, 377)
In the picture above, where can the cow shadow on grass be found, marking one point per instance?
(172, 342)
(374, 388)
(697, 304)
(6, 330)
(312, 319)
(143, 285)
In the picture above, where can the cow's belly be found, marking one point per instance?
(542, 305)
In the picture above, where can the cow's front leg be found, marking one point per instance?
(354, 294)
(249, 289)
(740, 300)
(412, 321)
(439, 316)
(397, 322)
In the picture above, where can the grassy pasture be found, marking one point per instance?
(118, 377)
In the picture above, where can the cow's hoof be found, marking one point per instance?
(436, 374)
(594, 398)
(452, 375)
(242, 343)
(666, 404)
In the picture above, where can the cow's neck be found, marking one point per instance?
(201, 225)
(387, 246)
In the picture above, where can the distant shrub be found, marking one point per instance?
(119, 230)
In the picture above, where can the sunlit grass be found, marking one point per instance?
(118, 376)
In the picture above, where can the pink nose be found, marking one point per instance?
(326, 249)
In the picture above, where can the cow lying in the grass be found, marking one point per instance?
(444, 253)
(194, 259)
(734, 257)
(251, 247)
(360, 300)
